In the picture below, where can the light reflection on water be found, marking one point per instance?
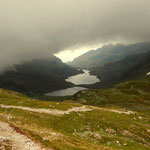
(84, 78)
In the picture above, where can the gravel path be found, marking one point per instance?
(18, 141)
(50, 111)
(127, 112)
(61, 112)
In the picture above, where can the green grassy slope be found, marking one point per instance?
(99, 129)
(126, 94)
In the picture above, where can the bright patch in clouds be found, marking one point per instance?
(69, 55)
(148, 74)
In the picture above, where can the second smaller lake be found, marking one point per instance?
(66, 92)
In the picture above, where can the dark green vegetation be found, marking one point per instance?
(107, 54)
(50, 98)
(38, 76)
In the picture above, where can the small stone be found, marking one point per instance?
(45, 139)
(108, 143)
(111, 131)
(53, 134)
(140, 117)
(148, 130)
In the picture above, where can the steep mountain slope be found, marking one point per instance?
(120, 122)
(130, 67)
(107, 54)
(38, 76)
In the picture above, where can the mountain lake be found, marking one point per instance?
(84, 78)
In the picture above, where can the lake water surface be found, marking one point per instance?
(84, 78)
(66, 92)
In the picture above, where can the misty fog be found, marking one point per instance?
(36, 29)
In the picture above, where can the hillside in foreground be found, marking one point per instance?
(114, 119)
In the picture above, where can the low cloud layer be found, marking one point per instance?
(36, 28)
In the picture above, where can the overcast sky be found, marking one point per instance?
(35, 28)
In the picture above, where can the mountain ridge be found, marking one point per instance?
(108, 53)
